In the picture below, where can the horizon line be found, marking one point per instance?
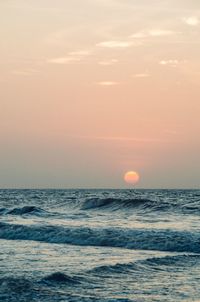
(93, 188)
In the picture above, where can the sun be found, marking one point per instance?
(131, 177)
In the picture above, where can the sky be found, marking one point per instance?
(92, 89)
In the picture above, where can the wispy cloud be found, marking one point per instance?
(161, 32)
(139, 35)
(108, 62)
(122, 138)
(107, 83)
(153, 33)
(63, 60)
(81, 53)
(115, 44)
(192, 21)
(172, 63)
(71, 57)
(130, 139)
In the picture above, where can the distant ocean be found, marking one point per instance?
(100, 245)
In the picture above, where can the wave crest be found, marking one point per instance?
(116, 203)
(158, 263)
(26, 210)
(161, 240)
(59, 277)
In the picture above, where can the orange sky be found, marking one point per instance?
(90, 89)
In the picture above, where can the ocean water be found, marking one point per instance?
(99, 245)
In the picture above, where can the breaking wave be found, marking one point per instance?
(114, 203)
(150, 263)
(171, 261)
(140, 204)
(146, 239)
(25, 210)
(128, 205)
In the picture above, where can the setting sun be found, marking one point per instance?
(131, 177)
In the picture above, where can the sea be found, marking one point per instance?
(100, 245)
